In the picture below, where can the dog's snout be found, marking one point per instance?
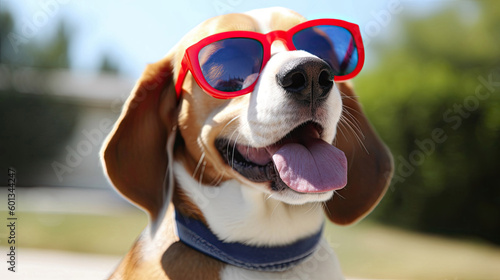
(306, 79)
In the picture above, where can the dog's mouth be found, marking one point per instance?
(300, 161)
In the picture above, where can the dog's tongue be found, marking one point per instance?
(313, 167)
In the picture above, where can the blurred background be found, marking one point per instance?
(430, 86)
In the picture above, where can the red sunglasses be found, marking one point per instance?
(227, 65)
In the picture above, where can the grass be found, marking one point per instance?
(370, 250)
(366, 250)
(82, 233)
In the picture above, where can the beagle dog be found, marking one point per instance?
(239, 142)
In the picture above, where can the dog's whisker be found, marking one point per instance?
(228, 123)
(360, 141)
(344, 124)
(354, 119)
(326, 208)
(200, 181)
(275, 207)
(347, 110)
(202, 157)
(353, 97)
(234, 149)
(313, 207)
(355, 129)
(269, 196)
(230, 141)
(218, 179)
(337, 193)
(341, 128)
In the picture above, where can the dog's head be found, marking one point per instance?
(287, 137)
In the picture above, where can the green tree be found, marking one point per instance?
(108, 65)
(55, 54)
(34, 126)
(435, 99)
(6, 26)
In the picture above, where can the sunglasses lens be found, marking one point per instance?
(334, 44)
(231, 64)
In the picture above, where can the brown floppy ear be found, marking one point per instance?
(135, 156)
(369, 161)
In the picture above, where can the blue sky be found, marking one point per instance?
(137, 32)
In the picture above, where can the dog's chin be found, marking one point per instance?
(292, 197)
(258, 169)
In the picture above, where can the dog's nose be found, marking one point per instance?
(306, 79)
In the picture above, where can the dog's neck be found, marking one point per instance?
(197, 235)
(244, 214)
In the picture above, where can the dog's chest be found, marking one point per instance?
(322, 265)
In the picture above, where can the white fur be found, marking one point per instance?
(263, 17)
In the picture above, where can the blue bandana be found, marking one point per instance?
(278, 258)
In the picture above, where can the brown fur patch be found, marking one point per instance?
(180, 262)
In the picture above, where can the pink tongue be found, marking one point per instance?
(311, 168)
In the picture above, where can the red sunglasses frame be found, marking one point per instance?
(190, 60)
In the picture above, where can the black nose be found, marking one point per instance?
(306, 79)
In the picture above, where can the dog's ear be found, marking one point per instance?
(370, 164)
(134, 155)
